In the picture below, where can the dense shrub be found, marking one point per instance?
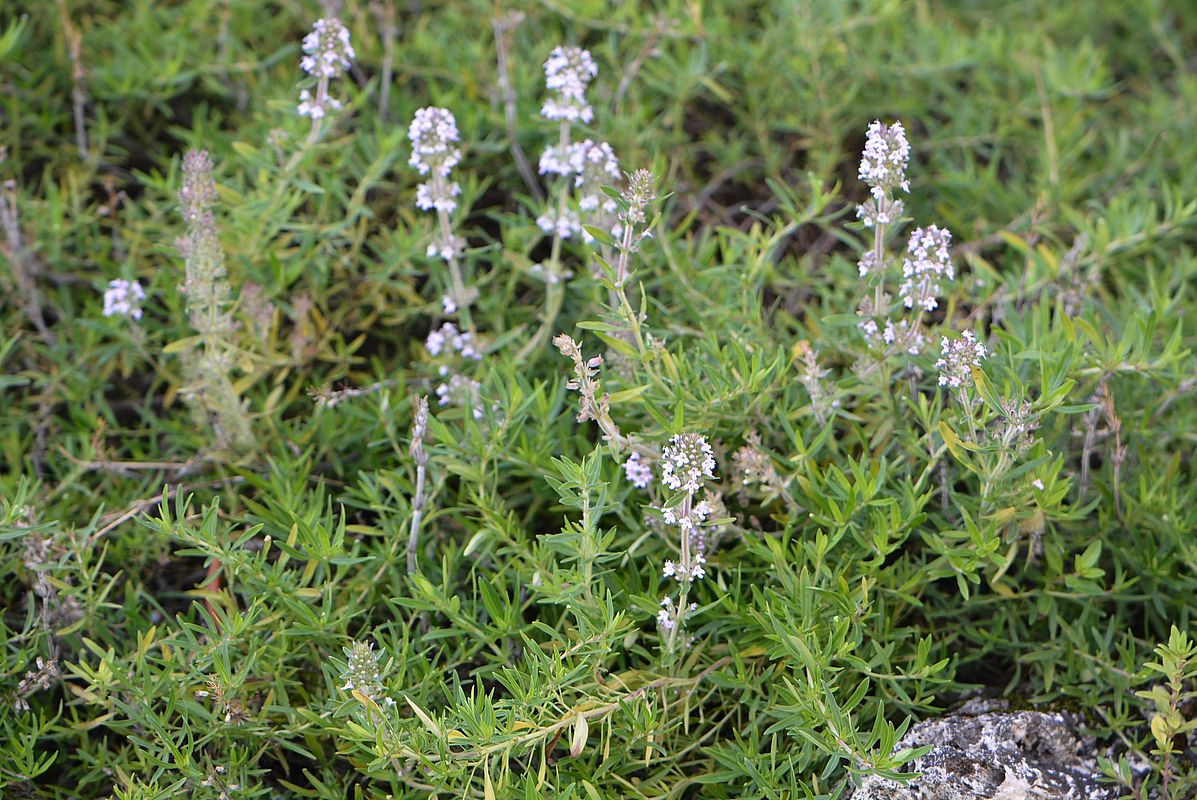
(431, 407)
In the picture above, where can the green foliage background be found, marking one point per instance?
(894, 571)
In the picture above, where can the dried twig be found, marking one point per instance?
(149, 502)
(24, 264)
(329, 397)
(503, 25)
(388, 29)
(74, 42)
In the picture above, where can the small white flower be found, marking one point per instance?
(568, 71)
(460, 391)
(433, 134)
(686, 461)
(1038, 484)
(445, 248)
(666, 617)
(447, 335)
(327, 50)
(554, 162)
(638, 473)
(883, 163)
(959, 358)
(928, 260)
(123, 298)
(563, 225)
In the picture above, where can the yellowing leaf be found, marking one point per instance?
(428, 721)
(581, 731)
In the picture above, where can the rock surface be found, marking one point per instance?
(980, 754)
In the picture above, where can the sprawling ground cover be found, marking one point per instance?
(729, 467)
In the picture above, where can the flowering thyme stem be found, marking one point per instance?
(460, 297)
(321, 99)
(878, 254)
(554, 281)
(686, 557)
(420, 456)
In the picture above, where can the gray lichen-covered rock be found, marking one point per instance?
(1018, 755)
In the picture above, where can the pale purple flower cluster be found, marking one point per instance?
(327, 54)
(928, 260)
(563, 224)
(667, 617)
(567, 73)
(883, 168)
(684, 573)
(906, 335)
(459, 390)
(434, 136)
(594, 165)
(883, 163)
(327, 51)
(639, 474)
(448, 338)
(686, 461)
(123, 298)
(959, 358)
(434, 152)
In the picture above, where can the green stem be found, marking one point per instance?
(554, 288)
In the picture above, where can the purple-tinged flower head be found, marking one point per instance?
(681, 573)
(959, 358)
(434, 152)
(327, 51)
(567, 73)
(445, 248)
(554, 161)
(457, 341)
(594, 165)
(433, 134)
(562, 225)
(639, 473)
(886, 154)
(314, 107)
(431, 198)
(928, 260)
(686, 461)
(460, 390)
(870, 264)
(123, 298)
